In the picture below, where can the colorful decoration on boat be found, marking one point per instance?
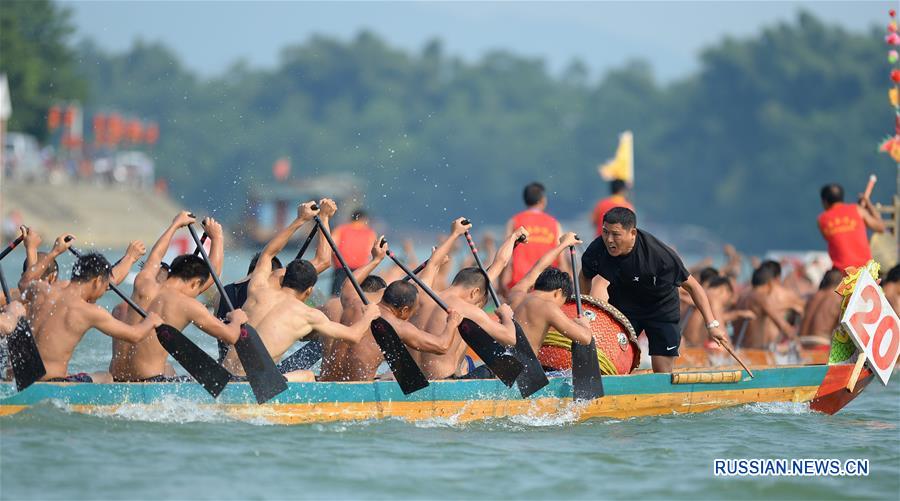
(891, 144)
(842, 347)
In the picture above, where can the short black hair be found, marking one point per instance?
(893, 275)
(552, 279)
(400, 294)
(533, 193)
(188, 267)
(621, 215)
(90, 266)
(775, 266)
(617, 186)
(299, 275)
(831, 279)
(719, 281)
(707, 274)
(276, 263)
(762, 276)
(52, 268)
(373, 283)
(470, 277)
(832, 193)
(358, 214)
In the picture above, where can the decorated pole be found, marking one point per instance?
(891, 144)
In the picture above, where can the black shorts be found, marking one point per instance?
(664, 338)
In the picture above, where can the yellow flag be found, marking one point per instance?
(622, 165)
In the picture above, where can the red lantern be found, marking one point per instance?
(114, 129)
(53, 118)
(151, 133)
(99, 128)
(895, 76)
(69, 117)
(134, 131)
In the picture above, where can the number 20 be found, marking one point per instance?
(887, 325)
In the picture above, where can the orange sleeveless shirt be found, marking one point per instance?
(845, 232)
(543, 236)
(355, 241)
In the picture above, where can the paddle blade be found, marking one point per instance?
(302, 359)
(26, 359)
(532, 377)
(501, 362)
(262, 374)
(587, 383)
(406, 372)
(212, 376)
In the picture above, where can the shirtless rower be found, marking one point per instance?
(467, 295)
(540, 309)
(397, 305)
(63, 312)
(237, 291)
(891, 287)
(336, 354)
(278, 311)
(763, 331)
(720, 292)
(822, 313)
(175, 300)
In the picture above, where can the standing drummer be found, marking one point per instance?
(640, 275)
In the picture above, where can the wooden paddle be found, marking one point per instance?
(532, 378)
(23, 351)
(408, 375)
(202, 367)
(495, 356)
(12, 245)
(264, 378)
(587, 381)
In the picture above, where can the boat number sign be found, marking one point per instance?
(874, 326)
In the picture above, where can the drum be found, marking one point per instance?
(617, 348)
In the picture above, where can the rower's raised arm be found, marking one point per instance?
(459, 226)
(120, 270)
(437, 344)
(148, 273)
(504, 253)
(35, 272)
(216, 249)
(350, 333)
(349, 297)
(208, 323)
(260, 275)
(322, 260)
(527, 282)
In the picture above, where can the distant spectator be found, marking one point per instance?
(354, 240)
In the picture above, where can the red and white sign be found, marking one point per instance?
(874, 327)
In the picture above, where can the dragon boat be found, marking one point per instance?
(627, 393)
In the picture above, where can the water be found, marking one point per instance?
(50, 452)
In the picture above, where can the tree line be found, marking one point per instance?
(741, 146)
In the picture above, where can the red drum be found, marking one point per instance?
(617, 348)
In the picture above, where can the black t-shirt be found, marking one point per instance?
(642, 284)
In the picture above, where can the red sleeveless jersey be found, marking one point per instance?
(603, 206)
(543, 236)
(355, 241)
(845, 232)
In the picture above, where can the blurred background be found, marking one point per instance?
(419, 112)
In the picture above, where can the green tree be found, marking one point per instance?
(39, 64)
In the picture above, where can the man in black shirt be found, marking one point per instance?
(640, 275)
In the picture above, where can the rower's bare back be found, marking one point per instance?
(58, 320)
(533, 314)
(441, 366)
(149, 357)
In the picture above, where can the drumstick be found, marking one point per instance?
(734, 355)
(870, 186)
